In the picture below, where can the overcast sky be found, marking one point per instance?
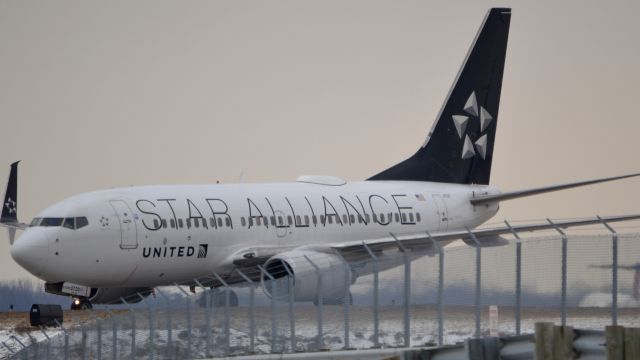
(95, 95)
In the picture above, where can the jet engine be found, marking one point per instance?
(329, 277)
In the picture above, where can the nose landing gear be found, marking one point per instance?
(81, 303)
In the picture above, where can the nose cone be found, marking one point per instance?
(31, 251)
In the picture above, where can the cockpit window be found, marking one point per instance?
(51, 221)
(69, 223)
(81, 222)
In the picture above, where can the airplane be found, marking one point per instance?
(105, 246)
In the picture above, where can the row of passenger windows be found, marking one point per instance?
(69, 223)
(189, 222)
(305, 220)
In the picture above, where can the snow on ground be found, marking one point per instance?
(458, 325)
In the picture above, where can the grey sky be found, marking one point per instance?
(101, 94)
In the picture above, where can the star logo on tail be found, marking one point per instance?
(470, 148)
(10, 205)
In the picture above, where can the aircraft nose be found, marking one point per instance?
(31, 251)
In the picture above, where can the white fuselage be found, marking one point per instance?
(159, 235)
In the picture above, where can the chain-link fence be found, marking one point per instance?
(587, 278)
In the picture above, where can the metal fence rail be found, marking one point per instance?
(431, 298)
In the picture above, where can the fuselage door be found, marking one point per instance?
(442, 211)
(128, 228)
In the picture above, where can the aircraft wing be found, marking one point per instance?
(486, 237)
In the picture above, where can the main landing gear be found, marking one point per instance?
(81, 303)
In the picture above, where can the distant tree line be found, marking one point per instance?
(23, 293)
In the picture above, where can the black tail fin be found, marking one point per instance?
(10, 204)
(459, 147)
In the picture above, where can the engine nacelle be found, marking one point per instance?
(114, 295)
(306, 282)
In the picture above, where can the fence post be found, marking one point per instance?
(114, 335)
(518, 276)
(169, 327)
(188, 305)
(437, 246)
(207, 321)
(227, 322)
(614, 272)
(66, 339)
(376, 314)
(407, 291)
(292, 298)
(320, 339)
(346, 299)
(252, 313)
(133, 328)
(273, 307)
(48, 352)
(99, 334)
(84, 342)
(151, 328)
(478, 280)
(563, 299)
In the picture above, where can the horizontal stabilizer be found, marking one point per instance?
(541, 190)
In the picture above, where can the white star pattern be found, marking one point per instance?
(461, 123)
(10, 205)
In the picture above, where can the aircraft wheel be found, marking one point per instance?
(81, 304)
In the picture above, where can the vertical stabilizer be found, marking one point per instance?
(459, 147)
(10, 204)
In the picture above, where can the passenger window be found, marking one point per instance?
(81, 222)
(228, 221)
(404, 218)
(366, 217)
(306, 219)
(330, 218)
(375, 217)
(344, 219)
(289, 219)
(298, 220)
(352, 218)
(243, 222)
(273, 220)
(250, 221)
(397, 217)
(172, 222)
(69, 223)
(164, 223)
(280, 222)
(360, 219)
(322, 219)
(180, 223)
(315, 219)
(411, 217)
(156, 224)
(258, 221)
(196, 222)
(219, 222)
(418, 217)
(212, 222)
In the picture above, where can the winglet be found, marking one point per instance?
(10, 203)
